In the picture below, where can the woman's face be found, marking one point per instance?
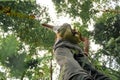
(69, 34)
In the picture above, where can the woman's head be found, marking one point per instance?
(65, 32)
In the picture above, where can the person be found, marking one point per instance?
(74, 64)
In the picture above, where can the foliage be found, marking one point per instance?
(29, 30)
(22, 36)
(18, 63)
(75, 8)
(110, 38)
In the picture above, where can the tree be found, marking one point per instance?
(22, 38)
(110, 41)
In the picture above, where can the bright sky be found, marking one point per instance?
(55, 20)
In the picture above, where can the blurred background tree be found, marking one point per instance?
(22, 38)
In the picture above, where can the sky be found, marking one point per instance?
(51, 10)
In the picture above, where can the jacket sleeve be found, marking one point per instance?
(69, 66)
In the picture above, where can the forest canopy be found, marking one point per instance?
(22, 37)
